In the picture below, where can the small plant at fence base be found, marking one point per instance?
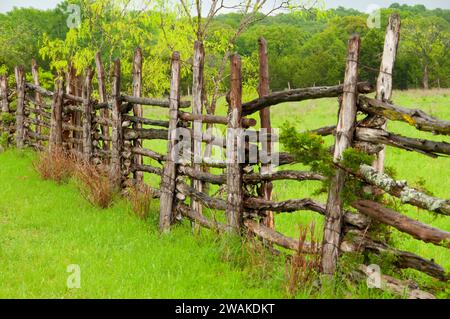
(248, 254)
(5, 140)
(140, 197)
(56, 165)
(7, 121)
(302, 269)
(94, 184)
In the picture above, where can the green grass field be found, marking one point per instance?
(44, 227)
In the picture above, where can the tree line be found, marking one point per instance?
(306, 47)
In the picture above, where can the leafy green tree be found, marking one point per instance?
(116, 29)
(426, 41)
(21, 31)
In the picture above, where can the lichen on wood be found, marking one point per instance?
(401, 190)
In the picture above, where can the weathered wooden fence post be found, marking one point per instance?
(234, 168)
(20, 85)
(169, 172)
(87, 118)
(4, 93)
(344, 136)
(264, 115)
(38, 104)
(197, 108)
(72, 115)
(4, 104)
(55, 138)
(117, 133)
(137, 109)
(104, 113)
(384, 82)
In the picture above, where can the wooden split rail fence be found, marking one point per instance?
(112, 131)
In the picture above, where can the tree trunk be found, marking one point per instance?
(425, 78)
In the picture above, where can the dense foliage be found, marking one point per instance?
(306, 47)
(310, 149)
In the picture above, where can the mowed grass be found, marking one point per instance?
(44, 227)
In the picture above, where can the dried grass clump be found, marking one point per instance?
(302, 268)
(94, 184)
(140, 197)
(55, 164)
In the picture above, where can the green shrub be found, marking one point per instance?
(7, 119)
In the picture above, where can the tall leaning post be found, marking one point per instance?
(343, 139)
(38, 98)
(55, 139)
(104, 113)
(70, 88)
(197, 108)
(234, 168)
(384, 81)
(87, 118)
(117, 133)
(137, 109)
(20, 86)
(4, 108)
(169, 172)
(264, 115)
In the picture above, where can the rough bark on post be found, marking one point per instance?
(117, 134)
(38, 98)
(55, 140)
(344, 136)
(137, 109)
(87, 119)
(4, 93)
(384, 82)
(234, 168)
(79, 82)
(197, 109)
(264, 115)
(71, 83)
(4, 104)
(104, 113)
(20, 129)
(169, 173)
